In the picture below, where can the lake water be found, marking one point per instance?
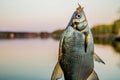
(34, 59)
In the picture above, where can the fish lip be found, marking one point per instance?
(78, 21)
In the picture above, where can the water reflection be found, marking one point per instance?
(31, 59)
(115, 44)
(34, 59)
(109, 71)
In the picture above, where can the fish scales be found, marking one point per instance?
(76, 51)
(74, 58)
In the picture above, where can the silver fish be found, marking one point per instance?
(76, 51)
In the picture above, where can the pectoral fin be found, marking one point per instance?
(57, 73)
(97, 58)
(93, 76)
(86, 41)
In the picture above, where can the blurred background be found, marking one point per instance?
(30, 32)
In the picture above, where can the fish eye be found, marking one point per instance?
(78, 16)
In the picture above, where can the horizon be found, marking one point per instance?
(36, 15)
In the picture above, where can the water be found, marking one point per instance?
(34, 59)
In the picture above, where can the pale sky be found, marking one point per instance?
(48, 15)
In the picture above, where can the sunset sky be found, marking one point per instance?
(48, 15)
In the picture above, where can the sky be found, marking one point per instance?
(49, 15)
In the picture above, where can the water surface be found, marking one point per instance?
(34, 59)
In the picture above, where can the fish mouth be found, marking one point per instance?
(79, 25)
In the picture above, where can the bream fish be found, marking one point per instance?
(76, 51)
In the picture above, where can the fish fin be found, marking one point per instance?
(93, 76)
(97, 58)
(57, 73)
(86, 41)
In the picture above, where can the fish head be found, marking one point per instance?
(79, 21)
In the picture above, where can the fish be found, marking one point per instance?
(76, 50)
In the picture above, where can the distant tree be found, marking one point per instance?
(56, 34)
(116, 27)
